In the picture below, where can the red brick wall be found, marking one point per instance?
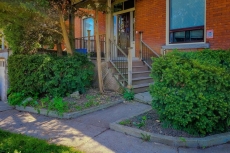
(78, 27)
(218, 19)
(151, 19)
(102, 24)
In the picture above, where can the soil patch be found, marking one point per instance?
(91, 98)
(150, 122)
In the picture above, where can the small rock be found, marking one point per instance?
(75, 95)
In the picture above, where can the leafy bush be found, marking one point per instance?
(128, 94)
(15, 98)
(40, 75)
(192, 90)
(58, 105)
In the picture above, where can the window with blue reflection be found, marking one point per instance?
(186, 13)
(186, 21)
(88, 24)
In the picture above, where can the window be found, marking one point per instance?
(88, 24)
(186, 21)
(128, 4)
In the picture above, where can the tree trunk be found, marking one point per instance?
(65, 34)
(100, 80)
(59, 49)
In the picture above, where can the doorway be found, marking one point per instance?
(124, 31)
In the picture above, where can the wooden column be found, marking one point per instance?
(108, 30)
(88, 44)
(130, 67)
(141, 37)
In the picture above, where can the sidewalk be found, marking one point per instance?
(91, 132)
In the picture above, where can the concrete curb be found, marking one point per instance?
(169, 140)
(142, 101)
(67, 115)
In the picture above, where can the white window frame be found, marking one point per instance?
(184, 45)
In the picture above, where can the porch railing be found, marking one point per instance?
(122, 63)
(89, 43)
(146, 53)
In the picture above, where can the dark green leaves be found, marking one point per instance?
(192, 90)
(49, 75)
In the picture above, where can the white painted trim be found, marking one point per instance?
(124, 11)
(186, 46)
(205, 4)
(167, 25)
(167, 22)
(132, 42)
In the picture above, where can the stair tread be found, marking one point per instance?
(141, 85)
(134, 72)
(141, 78)
(125, 67)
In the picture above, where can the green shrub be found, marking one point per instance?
(128, 94)
(16, 98)
(192, 90)
(58, 105)
(39, 75)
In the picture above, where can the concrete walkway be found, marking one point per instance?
(91, 132)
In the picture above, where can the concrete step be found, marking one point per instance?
(135, 69)
(125, 63)
(141, 88)
(142, 80)
(136, 74)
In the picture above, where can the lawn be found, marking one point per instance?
(18, 143)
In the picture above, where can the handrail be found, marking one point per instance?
(150, 48)
(119, 60)
(146, 52)
(119, 48)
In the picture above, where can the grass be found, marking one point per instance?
(125, 122)
(18, 143)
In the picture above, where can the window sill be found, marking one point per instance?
(186, 46)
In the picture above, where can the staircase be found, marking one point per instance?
(135, 73)
(140, 74)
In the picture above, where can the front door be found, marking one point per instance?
(124, 32)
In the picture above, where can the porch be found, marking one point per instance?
(127, 71)
(128, 65)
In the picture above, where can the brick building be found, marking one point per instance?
(168, 24)
(153, 27)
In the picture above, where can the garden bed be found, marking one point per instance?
(147, 126)
(88, 102)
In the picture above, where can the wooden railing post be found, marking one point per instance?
(88, 44)
(108, 31)
(130, 68)
(141, 47)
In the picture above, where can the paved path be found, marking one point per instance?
(91, 132)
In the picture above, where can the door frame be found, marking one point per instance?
(132, 22)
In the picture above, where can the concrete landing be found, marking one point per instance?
(144, 97)
(4, 106)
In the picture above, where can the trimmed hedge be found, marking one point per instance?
(191, 90)
(43, 74)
